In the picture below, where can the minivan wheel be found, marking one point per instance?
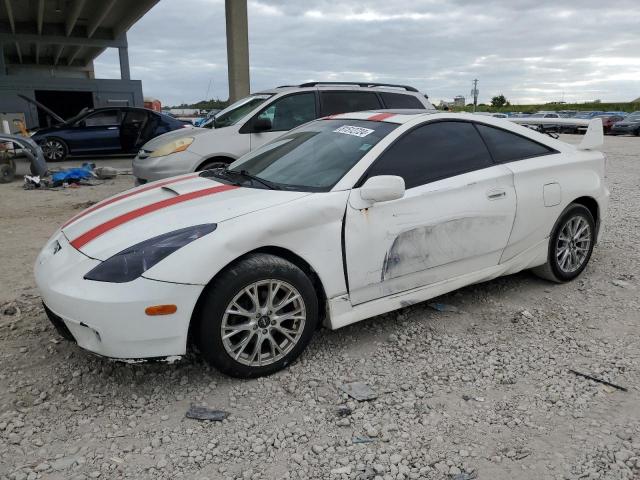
(570, 245)
(257, 317)
(54, 150)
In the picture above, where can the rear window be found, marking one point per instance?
(399, 100)
(347, 101)
(508, 147)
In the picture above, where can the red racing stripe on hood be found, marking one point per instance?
(380, 117)
(127, 217)
(117, 198)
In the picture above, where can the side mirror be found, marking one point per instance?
(382, 188)
(262, 125)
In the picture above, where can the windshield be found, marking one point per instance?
(314, 156)
(78, 115)
(238, 110)
(634, 117)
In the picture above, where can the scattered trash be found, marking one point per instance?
(105, 173)
(527, 314)
(466, 398)
(362, 440)
(599, 380)
(465, 475)
(84, 205)
(344, 411)
(10, 310)
(70, 175)
(358, 390)
(620, 283)
(33, 182)
(443, 307)
(198, 412)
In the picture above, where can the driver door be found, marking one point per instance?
(98, 132)
(455, 217)
(284, 114)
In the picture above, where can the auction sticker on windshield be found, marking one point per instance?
(355, 131)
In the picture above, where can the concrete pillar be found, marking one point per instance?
(123, 52)
(237, 48)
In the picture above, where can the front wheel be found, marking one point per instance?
(257, 317)
(570, 245)
(54, 150)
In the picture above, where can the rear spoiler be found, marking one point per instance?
(594, 136)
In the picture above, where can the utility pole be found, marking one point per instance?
(474, 92)
(237, 48)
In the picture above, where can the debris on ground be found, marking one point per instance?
(465, 475)
(358, 390)
(344, 411)
(105, 173)
(362, 439)
(199, 412)
(443, 307)
(466, 398)
(599, 380)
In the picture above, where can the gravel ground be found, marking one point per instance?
(482, 392)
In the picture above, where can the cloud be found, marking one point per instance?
(529, 50)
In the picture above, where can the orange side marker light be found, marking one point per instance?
(161, 310)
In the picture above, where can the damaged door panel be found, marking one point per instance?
(437, 231)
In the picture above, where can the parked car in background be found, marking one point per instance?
(607, 123)
(260, 118)
(101, 131)
(344, 218)
(628, 125)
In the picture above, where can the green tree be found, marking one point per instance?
(499, 101)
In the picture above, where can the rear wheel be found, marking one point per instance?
(257, 317)
(7, 172)
(570, 245)
(54, 150)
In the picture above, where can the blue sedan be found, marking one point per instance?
(104, 131)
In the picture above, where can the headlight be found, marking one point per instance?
(132, 262)
(178, 145)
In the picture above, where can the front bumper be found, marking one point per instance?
(109, 318)
(151, 169)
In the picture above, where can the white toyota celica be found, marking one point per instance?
(339, 220)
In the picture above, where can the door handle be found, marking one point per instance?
(112, 128)
(496, 194)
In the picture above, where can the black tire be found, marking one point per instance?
(54, 149)
(637, 132)
(555, 270)
(262, 270)
(212, 164)
(7, 172)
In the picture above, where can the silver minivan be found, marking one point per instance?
(261, 117)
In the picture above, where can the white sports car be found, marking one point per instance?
(341, 219)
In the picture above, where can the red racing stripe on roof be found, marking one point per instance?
(101, 229)
(379, 117)
(128, 194)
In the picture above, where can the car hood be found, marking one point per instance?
(165, 138)
(48, 130)
(160, 207)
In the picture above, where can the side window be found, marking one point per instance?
(400, 100)
(347, 101)
(289, 112)
(433, 152)
(108, 117)
(508, 147)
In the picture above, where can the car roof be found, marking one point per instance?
(371, 86)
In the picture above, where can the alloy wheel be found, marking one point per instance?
(53, 150)
(573, 244)
(263, 322)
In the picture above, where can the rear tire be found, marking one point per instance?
(570, 245)
(257, 317)
(7, 172)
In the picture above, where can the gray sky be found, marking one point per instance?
(530, 50)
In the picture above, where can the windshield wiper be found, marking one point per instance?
(220, 173)
(246, 174)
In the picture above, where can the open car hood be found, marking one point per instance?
(45, 109)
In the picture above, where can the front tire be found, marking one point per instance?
(257, 317)
(570, 245)
(55, 150)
